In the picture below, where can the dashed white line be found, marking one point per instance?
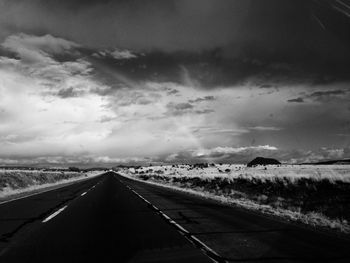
(204, 246)
(61, 209)
(207, 250)
(54, 214)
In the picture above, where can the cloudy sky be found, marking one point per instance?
(134, 81)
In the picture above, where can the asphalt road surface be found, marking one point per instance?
(113, 219)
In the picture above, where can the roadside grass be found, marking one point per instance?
(313, 195)
(17, 181)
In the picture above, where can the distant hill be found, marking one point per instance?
(262, 161)
(330, 162)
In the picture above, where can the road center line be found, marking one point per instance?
(214, 256)
(54, 214)
(83, 194)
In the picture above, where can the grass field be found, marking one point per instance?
(19, 180)
(317, 195)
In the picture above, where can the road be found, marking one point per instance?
(111, 218)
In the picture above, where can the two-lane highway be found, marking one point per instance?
(113, 219)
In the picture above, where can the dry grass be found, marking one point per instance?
(18, 181)
(318, 194)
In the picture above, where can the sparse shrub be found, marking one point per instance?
(18, 179)
(74, 169)
(298, 189)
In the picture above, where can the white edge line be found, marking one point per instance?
(54, 214)
(204, 245)
(182, 229)
(83, 194)
(342, 3)
(341, 11)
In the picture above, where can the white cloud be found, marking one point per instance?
(232, 150)
(116, 54)
(35, 57)
(51, 125)
(123, 54)
(264, 128)
(46, 104)
(204, 130)
(36, 61)
(46, 43)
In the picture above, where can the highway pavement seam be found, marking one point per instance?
(214, 256)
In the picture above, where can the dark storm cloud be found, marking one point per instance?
(217, 42)
(206, 98)
(297, 100)
(322, 96)
(179, 109)
(176, 109)
(274, 25)
(173, 92)
(267, 86)
(135, 24)
(67, 93)
(326, 95)
(205, 111)
(213, 68)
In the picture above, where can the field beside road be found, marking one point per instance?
(18, 181)
(315, 195)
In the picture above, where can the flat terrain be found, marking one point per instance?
(317, 195)
(107, 218)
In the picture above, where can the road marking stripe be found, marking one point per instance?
(197, 242)
(54, 214)
(205, 246)
(344, 4)
(83, 194)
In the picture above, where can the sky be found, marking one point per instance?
(102, 82)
